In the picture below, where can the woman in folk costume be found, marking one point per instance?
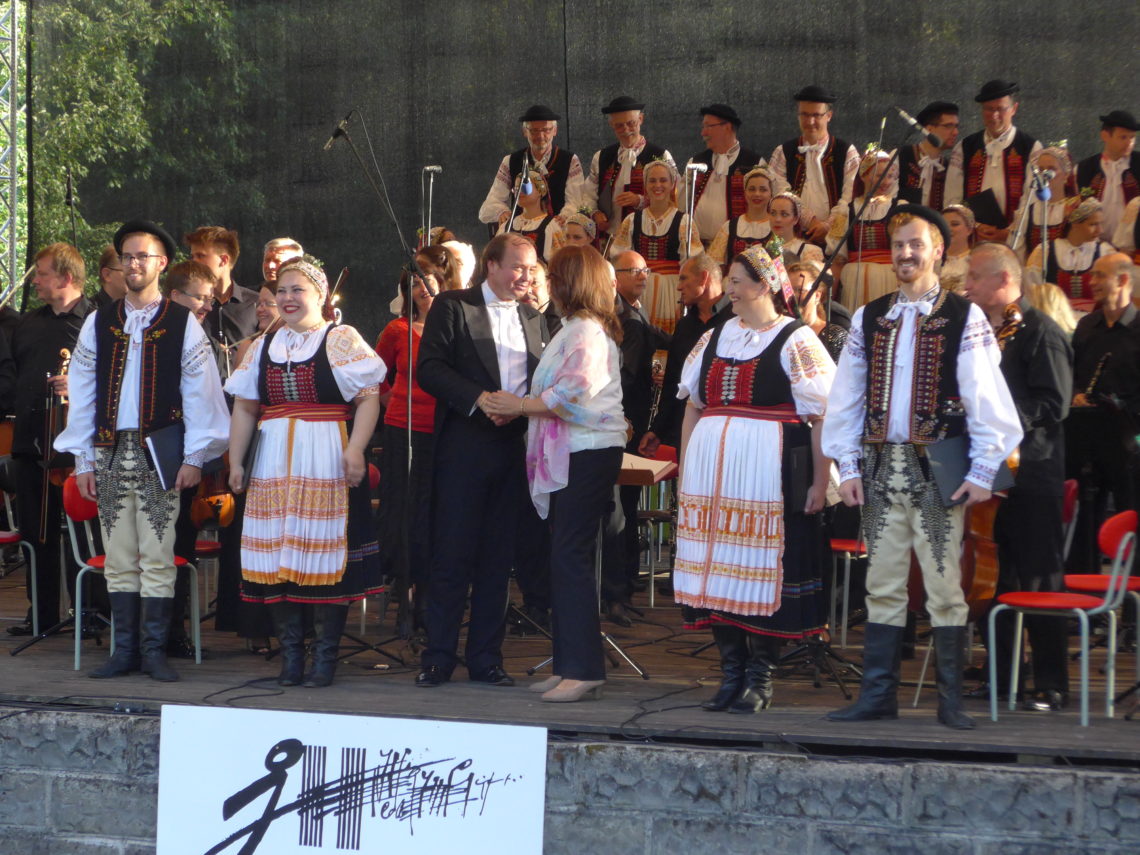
(1069, 259)
(785, 212)
(753, 225)
(658, 233)
(1051, 212)
(748, 540)
(534, 223)
(311, 389)
(863, 265)
(956, 259)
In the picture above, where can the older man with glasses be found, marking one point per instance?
(561, 169)
(816, 166)
(995, 158)
(719, 190)
(614, 187)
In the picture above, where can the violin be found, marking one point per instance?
(213, 504)
(59, 466)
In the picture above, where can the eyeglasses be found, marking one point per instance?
(141, 259)
(629, 125)
(207, 300)
(706, 125)
(266, 304)
(804, 115)
(548, 131)
(634, 270)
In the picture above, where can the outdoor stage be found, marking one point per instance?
(636, 715)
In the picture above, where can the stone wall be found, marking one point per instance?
(87, 784)
(444, 81)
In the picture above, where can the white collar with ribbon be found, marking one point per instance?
(721, 162)
(137, 320)
(924, 305)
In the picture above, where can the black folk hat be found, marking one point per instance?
(722, 111)
(622, 104)
(539, 113)
(1120, 119)
(815, 94)
(935, 109)
(928, 214)
(146, 227)
(993, 89)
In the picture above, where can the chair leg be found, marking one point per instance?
(1084, 623)
(846, 598)
(1015, 667)
(1110, 667)
(993, 663)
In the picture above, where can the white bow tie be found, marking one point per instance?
(995, 149)
(1114, 168)
(721, 162)
(919, 306)
(136, 322)
(811, 149)
(627, 156)
(931, 163)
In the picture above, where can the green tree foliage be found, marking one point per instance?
(116, 99)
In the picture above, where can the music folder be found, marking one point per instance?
(950, 463)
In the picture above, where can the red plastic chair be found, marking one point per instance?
(1116, 538)
(80, 511)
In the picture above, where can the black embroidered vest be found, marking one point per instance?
(1089, 174)
(757, 382)
(734, 197)
(737, 243)
(831, 161)
(910, 178)
(936, 406)
(1015, 160)
(557, 172)
(609, 170)
(160, 393)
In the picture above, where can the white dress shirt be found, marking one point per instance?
(1112, 199)
(814, 195)
(711, 211)
(510, 343)
(206, 417)
(991, 417)
(626, 158)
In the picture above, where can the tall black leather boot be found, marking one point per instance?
(733, 649)
(125, 659)
(328, 621)
(289, 625)
(155, 624)
(763, 656)
(878, 694)
(949, 653)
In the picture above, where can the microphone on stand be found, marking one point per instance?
(1041, 179)
(436, 168)
(697, 167)
(339, 130)
(527, 185)
(929, 136)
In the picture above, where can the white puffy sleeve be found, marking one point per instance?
(78, 437)
(689, 386)
(243, 382)
(843, 427)
(810, 370)
(204, 411)
(358, 369)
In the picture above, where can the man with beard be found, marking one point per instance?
(142, 370)
(920, 366)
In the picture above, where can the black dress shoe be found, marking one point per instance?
(616, 613)
(1049, 700)
(493, 676)
(430, 677)
(20, 629)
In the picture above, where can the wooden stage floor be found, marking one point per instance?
(659, 710)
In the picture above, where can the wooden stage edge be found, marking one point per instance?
(662, 710)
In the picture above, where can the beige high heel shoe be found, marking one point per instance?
(569, 691)
(545, 685)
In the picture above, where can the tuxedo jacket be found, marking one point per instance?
(458, 362)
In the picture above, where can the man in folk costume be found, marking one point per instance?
(561, 169)
(719, 191)
(1114, 174)
(922, 167)
(615, 188)
(921, 365)
(141, 365)
(995, 158)
(817, 167)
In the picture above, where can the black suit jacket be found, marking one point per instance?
(457, 360)
(640, 340)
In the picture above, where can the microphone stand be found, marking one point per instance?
(851, 225)
(518, 192)
(691, 169)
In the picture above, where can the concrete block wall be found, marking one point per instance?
(87, 784)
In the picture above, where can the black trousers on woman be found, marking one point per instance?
(575, 512)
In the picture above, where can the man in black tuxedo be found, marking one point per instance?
(477, 341)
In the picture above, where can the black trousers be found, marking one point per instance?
(479, 487)
(575, 512)
(1027, 529)
(532, 558)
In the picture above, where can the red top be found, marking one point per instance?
(393, 349)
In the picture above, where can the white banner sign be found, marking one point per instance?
(236, 782)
